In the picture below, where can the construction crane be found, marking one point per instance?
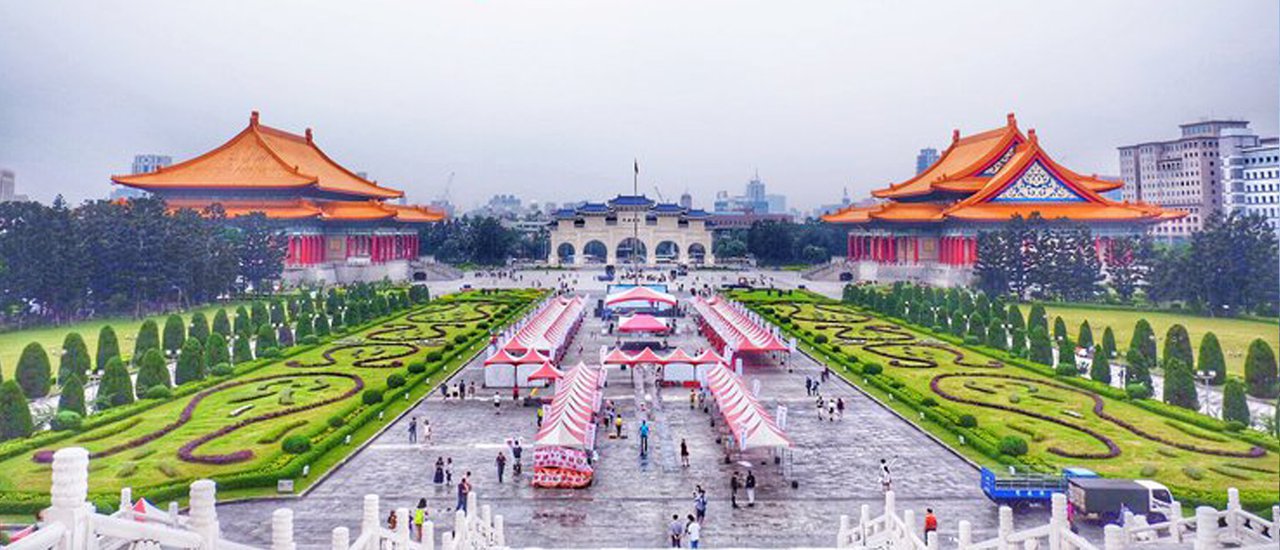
(659, 192)
(444, 196)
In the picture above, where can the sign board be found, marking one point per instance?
(755, 387)
(284, 486)
(781, 416)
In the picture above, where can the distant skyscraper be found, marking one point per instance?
(925, 159)
(146, 164)
(1251, 180)
(686, 201)
(755, 189)
(1185, 173)
(8, 185)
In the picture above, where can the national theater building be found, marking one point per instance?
(926, 229)
(340, 227)
(631, 228)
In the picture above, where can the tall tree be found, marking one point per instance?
(1128, 264)
(1038, 319)
(33, 372)
(199, 327)
(74, 361)
(1180, 384)
(1100, 367)
(1177, 345)
(1260, 370)
(108, 347)
(1086, 335)
(72, 396)
(215, 351)
(154, 372)
(15, 416)
(191, 365)
(221, 324)
(148, 338)
(1210, 358)
(260, 249)
(1109, 342)
(115, 388)
(1041, 351)
(175, 333)
(1235, 407)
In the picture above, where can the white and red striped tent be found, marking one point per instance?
(751, 426)
(542, 336)
(546, 371)
(642, 323)
(570, 419)
(727, 323)
(639, 295)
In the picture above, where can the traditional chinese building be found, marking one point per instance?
(926, 228)
(630, 228)
(340, 226)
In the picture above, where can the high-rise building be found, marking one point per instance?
(148, 163)
(1185, 173)
(686, 201)
(9, 187)
(1252, 180)
(755, 200)
(925, 159)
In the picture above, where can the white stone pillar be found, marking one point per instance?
(1206, 528)
(369, 520)
(204, 517)
(472, 501)
(888, 503)
(931, 540)
(1175, 519)
(459, 528)
(341, 539)
(68, 492)
(1005, 527)
(499, 531)
(281, 529)
(428, 535)
(1233, 513)
(126, 503)
(864, 518)
(909, 524)
(1057, 520)
(1112, 537)
(965, 536)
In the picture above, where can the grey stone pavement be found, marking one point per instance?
(632, 499)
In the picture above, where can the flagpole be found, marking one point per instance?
(635, 220)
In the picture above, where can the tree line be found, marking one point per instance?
(1228, 268)
(201, 348)
(59, 263)
(775, 243)
(481, 241)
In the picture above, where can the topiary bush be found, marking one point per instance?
(158, 392)
(108, 347)
(1013, 445)
(148, 338)
(75, 361)
(1260, 370)
(1180, 384)
(269, 353)
(1234, 405)
(460, 339)
(215, 350)
(67, 420)
(222, 369)
(221, 323)
(153, 372)
(417, 367)
(395, 381)
(371, 396)
(337, 421)
(1066, 371)
(33, 372)
(175, 333)
(72, 396)
(15, 415)
(967, 421)
(820, 339)
(296, 444)
(872, 369)
(116, 387)
(1137, 390)
(191, 365)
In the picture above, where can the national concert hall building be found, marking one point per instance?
(340, 226)
(926, 229)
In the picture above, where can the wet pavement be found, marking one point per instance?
(633, 498)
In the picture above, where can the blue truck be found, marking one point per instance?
(1023, 490)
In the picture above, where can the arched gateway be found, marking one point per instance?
(627, 228)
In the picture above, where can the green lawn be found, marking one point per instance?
(327, 375)
(1233, 334)
(1059, 421)
(11, 343)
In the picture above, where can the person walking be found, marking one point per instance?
(502, 465)
(693, 398)
(700, 502)
(840, 407)
(419, 518)
(886, 476)
(516, 451)
(750, 484)
(537, 417)
(693, 531)
(684, 453)
(413, 430)
(448, 470)
(930, 524)
(675, 529)
(617, 425)
(515, 394)
(464, 488)
(439, 477)
(734, 484)
(808, 386)
(426, 430)
(497, 403)
(644, 438)
(831, 409)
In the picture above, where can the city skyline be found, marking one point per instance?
(555, 102)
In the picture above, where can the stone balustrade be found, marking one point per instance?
(72, 523)
(1204, 530)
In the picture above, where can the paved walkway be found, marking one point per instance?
(632, 498)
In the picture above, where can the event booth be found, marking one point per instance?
(677, 367)
(643, 298)
(542, 336)
(563, 446)
(728, 325)
(748, 425)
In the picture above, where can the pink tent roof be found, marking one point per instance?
(531, 357)
(708, 357)
(642, 323)
(678, 356)
(639, 294)
(501, 358)
(738, 329)
(546, 372)
(646, 356)
(617, 357)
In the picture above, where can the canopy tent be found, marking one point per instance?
(568, 430)
(639, 294)
(642, 323)
(542, 336)
(546, 371)
(727, 324)
(678, 367)
(751, 426)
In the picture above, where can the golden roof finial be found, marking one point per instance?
(308, 133)
(1013, 121)
(253, 118)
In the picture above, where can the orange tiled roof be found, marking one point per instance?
(355, 211)
(261, 157)
(284, 209)
(297, 208)
(1070, 195)
(416, 214)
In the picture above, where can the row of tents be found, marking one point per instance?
(568, 433)
(525, 355)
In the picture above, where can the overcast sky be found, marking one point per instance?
(552, 100)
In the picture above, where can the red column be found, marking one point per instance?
(944, 250)
(973, 250)
(915, 250)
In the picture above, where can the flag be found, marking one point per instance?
(637, 167)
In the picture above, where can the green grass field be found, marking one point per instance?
(11, 343)
(146, 450)
(1233, 334)
(1063, 424)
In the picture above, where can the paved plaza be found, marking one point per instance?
(632, 499)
